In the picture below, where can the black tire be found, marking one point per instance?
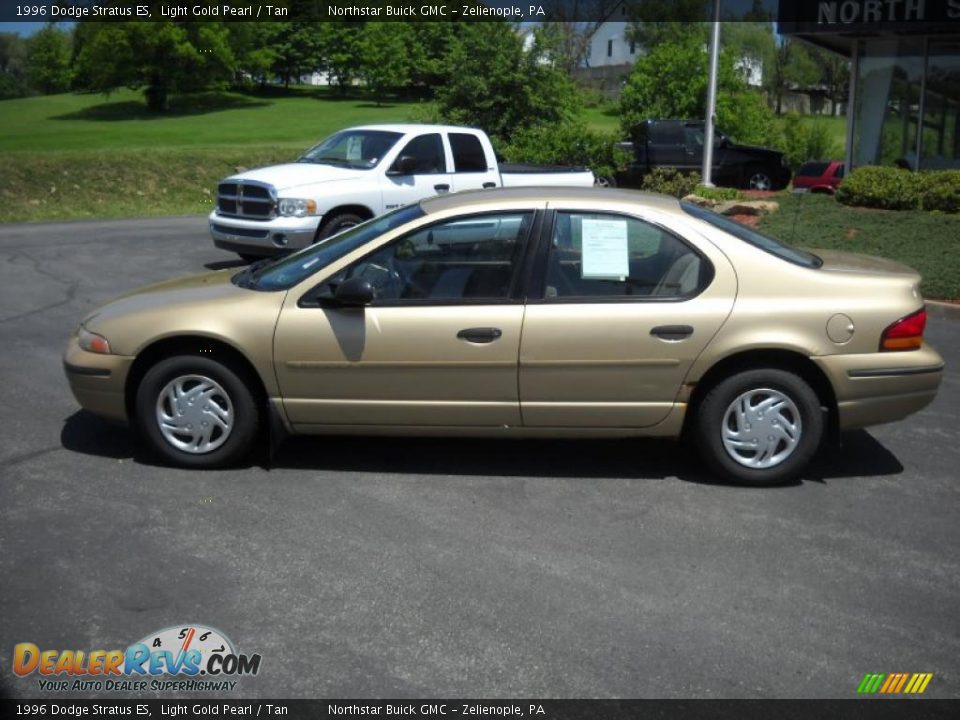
(757, 177)
(336, 223)
(607, 181)
(248, 258)
(711, 425)
(245, 420)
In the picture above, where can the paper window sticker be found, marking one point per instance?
(605, 254)
(354, 148)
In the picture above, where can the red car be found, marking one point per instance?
(821, 176)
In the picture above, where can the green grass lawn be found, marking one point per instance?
(925, 241)
(89, 156)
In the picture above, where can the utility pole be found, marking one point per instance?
(712, 97)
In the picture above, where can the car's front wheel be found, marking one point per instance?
(196, 412)
(758, 178)
(760, 427)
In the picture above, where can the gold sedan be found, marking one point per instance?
(521, 312)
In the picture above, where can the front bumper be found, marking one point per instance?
(268, 237)
(882, 387)
(97, 381)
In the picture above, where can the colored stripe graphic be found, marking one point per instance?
(894, 683)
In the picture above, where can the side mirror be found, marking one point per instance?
(354, 292)
(404, 165)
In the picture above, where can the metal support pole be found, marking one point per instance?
(711, 98)
(852, 105)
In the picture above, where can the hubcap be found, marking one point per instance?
(761, 428)
(760, 181)
(194, 414)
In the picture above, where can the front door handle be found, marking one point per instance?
(488, 185)
(672, 332)
(442, 188)
(480, 334)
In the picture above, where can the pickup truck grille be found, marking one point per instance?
(246, 199)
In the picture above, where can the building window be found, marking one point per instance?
(633, 48)
(941, 106)
(609, 48)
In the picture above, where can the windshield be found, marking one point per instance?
(356, 149)
(284, 273)
(753, 237)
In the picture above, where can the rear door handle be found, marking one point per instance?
(488, 185)
(480, 334)
(442, 188)
(672, 332)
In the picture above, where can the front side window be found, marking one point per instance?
(472, 259)
(427, 154)
(605, 256)
(355, 149)
(284, 273)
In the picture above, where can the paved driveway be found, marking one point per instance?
(375, 567)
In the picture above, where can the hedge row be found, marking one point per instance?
(894, 189)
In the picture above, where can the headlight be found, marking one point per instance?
(296, 207)
(91, 342)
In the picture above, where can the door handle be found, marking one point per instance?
(672, 332)
(442, 188)
(488, 185)
(480, 334)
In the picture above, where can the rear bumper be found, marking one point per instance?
(97, 381)
(262, 238)
(877, 388)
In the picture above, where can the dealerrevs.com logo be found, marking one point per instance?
(183, 658)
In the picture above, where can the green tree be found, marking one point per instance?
(13, 55)
(48, 60)
(494, 83)
(339, 44)
(793, 67)
(161, 57)
(671, 82)
(297, 49)
(384, 63)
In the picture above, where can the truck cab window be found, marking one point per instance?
(468, 155)
(427, 151)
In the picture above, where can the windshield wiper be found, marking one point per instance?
(247, 278)
(324, 160)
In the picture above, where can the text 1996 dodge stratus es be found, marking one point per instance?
(526, 312)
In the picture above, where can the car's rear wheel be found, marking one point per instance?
(196, 412)
(759, 427)
(337, 223)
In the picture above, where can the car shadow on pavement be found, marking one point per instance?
(225, 264)
(859, 456)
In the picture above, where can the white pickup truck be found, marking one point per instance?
(357, 174)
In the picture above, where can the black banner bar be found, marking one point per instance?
(873, 709)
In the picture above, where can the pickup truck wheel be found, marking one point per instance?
(759, 427)
(607, 181)
(337, 223)
(758, 178)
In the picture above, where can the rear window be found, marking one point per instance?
(812, 169)
(468, 153)
(757, 239)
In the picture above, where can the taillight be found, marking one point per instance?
(906, 333)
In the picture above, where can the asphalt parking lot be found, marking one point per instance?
(431, 568)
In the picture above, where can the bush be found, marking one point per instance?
(720, 194)
(803, 141)
(567, 143)
(671, 182)
(889, 188)
(940, 190)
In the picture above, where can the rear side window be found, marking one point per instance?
(599, 256)
(839, 171)
(812, 169)
(666, 134)
(757, 239)
(468, 153)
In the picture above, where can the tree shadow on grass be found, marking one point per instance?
(180, 106)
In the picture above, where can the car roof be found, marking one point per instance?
(588, 195)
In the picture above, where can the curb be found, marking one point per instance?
(937, 309)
